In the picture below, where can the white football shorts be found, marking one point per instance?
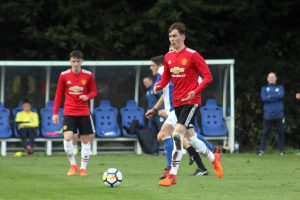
(171, 119)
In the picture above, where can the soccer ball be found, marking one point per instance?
(112, 177)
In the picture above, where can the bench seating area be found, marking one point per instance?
(49, 143)
(95, 145)
(107, 127)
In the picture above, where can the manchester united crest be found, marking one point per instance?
(184, 61)
(83, 82)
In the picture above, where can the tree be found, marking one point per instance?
(262, 36)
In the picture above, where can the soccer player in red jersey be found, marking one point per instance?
(77, 86)
(184, 66)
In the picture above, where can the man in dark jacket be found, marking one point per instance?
(154, 122)
(272, 96)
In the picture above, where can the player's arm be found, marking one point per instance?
(204, 71)
(160, 93)
(92, 90)
(150, 113)
(58, 97)
(165, 78)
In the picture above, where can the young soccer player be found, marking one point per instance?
(165, 134)
(77, 86)
(184, 66)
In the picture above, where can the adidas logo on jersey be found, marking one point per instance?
(169, 62)
(69, 82)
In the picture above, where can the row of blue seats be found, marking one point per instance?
(105, 117)
(213, 124)
(106, 124)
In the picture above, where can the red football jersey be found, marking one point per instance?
(72, 86)
(184, 69)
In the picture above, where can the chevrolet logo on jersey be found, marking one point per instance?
(176, 70)
(76, 90)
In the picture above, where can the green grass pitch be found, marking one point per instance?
(246, 176)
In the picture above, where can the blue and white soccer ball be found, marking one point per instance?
(112, 177)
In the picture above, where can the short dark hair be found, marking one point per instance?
(179, 26)
(148, 77)
(76, 54)
(26, 101)
(159, 60)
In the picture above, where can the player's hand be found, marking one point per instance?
(150, 113)
(298, 96)
(83, 97)
(189, 97)
(162, 113)
(55, 119)
(20, 126)
(156, 89)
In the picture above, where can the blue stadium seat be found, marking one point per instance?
(106, 123)
(5, 129)
(212, 119)
(50, 104)
(48, 129)
(129, 113)
(15, 111)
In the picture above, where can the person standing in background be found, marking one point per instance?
(153, 123)
(272, 96)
